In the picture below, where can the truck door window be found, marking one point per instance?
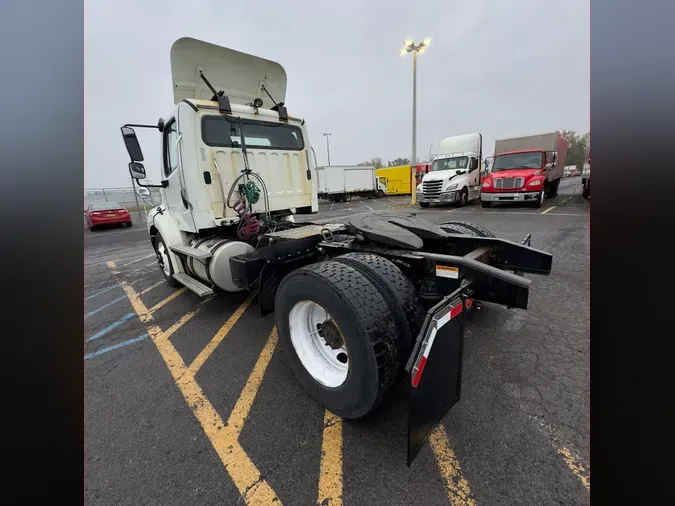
(170, 151)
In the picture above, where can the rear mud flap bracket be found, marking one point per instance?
(436, 369)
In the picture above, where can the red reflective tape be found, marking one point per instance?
(455, 310)
(420, 369)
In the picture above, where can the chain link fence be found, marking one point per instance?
(126, 197)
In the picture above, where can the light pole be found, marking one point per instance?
(410, 47)
(430, 145)
(327, 146)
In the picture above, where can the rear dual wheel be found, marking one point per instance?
(344, 330)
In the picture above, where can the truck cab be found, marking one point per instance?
(233, 159)
(525, 169)
(454, 176)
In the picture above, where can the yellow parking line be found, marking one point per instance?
(167, 300)
(243, 406)
(220, 335)
(330, 477)
(152, 287)
(251, 485)
(575, 465)
(547, 210)
(456, 485)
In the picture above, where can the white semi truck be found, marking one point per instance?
(356, 304)
(455, 173)
(339, 183)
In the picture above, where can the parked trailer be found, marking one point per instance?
(339, 183)
(525, 169)
(398, 179)
(356, 303)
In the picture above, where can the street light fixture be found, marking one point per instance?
(409, 46)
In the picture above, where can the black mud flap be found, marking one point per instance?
(435, 370)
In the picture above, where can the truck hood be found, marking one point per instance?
(240, 75)
(526, 173)
(441, 175)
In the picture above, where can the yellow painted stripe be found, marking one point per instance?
(245, 401)
(151, 287)
(251, 485)
(575, 465)
(456, 485)
(164, 302)
(220, 335)
(330, 478)
(547, 210)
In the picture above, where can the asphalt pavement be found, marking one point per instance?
(188, 401)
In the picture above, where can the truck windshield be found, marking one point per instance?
(219, 131)
(459, 162)
(517, 161)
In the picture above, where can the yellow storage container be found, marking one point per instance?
(398, 179)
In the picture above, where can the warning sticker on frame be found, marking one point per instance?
(444, 271)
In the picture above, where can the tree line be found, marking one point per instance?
(576, 150)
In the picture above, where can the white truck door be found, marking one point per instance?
(177, 199)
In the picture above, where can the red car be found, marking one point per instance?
(106, 213)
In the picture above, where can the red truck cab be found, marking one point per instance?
(525, 169)
(517, 176)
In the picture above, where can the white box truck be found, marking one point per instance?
(339, 183)
(455, 173)
(525, 169)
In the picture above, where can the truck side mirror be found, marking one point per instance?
(132, 145)
(137, 170)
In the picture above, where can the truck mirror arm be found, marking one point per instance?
(163, 184)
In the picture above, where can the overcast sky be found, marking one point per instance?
(500, 68)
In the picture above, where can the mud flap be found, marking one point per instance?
(436, 378)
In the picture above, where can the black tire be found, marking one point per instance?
(365, 323)
(397, 290)
(463, 197)
(540, 200)
(168, 278)
(380, 194)
(486, 204)
(347, 198)
(130, 224)
(424, 204)
(479, 229)
(453, 228)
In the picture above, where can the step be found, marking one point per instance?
(191, 252)
(192, 284)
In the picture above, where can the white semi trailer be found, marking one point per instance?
(356, 304)
(339, 183)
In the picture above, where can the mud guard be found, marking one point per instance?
(435, 378)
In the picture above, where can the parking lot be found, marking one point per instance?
(187, 400)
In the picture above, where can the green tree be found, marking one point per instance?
(399, 161)
(576, 148)
(375, 162)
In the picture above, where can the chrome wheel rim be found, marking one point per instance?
(163, 257)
